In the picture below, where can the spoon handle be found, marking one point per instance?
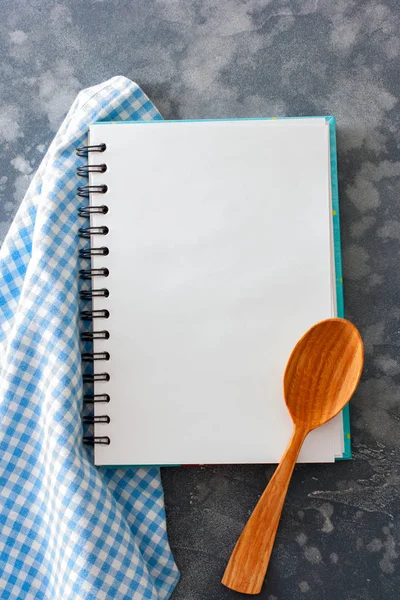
(249, 560)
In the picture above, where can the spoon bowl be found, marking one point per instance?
(323, 372)
(321, 376)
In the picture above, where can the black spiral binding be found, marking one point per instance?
(89, 274)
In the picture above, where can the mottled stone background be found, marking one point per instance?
(238, 58)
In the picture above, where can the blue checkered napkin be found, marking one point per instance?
(67, 529)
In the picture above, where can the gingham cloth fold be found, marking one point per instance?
(67, 529)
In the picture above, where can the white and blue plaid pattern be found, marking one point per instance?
(67, 529)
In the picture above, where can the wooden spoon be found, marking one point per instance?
(321, 375)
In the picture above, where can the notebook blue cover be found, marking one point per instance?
(338, 264)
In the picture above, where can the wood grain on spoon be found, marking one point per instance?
(322, 374)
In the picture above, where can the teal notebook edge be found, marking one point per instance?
(347, 454)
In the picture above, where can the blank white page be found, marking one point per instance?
(220, 259)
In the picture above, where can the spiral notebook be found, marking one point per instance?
(214, 247)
